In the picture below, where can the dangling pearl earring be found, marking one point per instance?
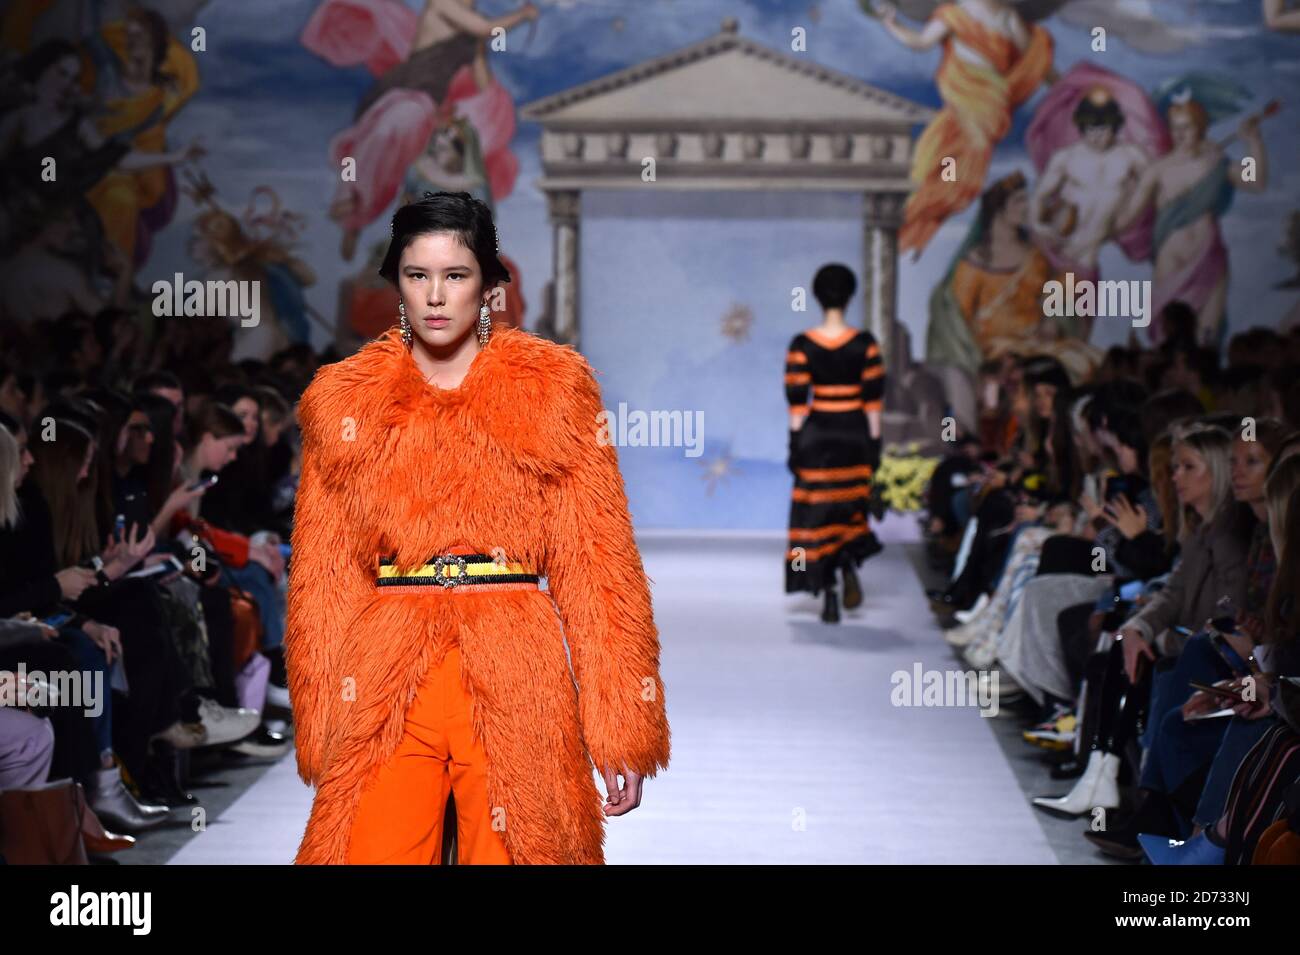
(484, 324)
(406, 326)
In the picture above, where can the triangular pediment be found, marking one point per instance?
(727, 77)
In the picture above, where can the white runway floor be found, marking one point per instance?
(786, 747)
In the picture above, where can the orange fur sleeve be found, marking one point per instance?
(326, 582)
(600, 588)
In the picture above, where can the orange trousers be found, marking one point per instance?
(399, 819)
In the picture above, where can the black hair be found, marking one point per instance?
(834, 285)
(157, 379)
(75, 409)
(467, 218)
(233, 391)
(31, 67)
(992, 202)
(1088, 113)
(1178, 320)
(1125, 423)
(1116, 394)
(157, 472)
(1167, 408)
(23, 378)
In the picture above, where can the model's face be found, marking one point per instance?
(441, 288)
(1249, 469)
(1193, 482)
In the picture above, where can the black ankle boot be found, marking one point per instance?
(830, 607)
(162, 778)
(852, 589)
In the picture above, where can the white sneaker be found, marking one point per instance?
(227, 724)
(966, 616)
(962, 636)
(278, 696)
(981, 653)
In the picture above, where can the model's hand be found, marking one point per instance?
(625, 799)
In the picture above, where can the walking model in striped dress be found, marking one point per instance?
(834, 446)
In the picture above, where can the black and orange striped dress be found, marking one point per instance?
(834, 454)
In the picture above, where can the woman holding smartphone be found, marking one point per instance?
(1179, 749)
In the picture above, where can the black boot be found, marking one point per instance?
(852, 589)
(831, 607)
(162, 778)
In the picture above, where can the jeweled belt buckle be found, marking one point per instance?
(449, 560)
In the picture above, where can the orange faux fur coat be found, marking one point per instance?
(510, 459)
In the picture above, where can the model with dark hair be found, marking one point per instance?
(834, 446)
(446, 468)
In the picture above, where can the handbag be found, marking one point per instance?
(249, 632)
(42, 826)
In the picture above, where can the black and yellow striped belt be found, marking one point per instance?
(458, 572)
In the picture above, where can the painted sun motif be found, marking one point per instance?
(737, 322)
(718, 470)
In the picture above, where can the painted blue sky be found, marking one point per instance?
(656, 286)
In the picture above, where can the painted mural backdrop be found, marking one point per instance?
(1149, 141)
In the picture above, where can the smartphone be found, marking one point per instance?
(1218, 691)
(119, 526)
(56, 620)
(1229, 655)
(208, 481)
(169, 566)
(1131, 590)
